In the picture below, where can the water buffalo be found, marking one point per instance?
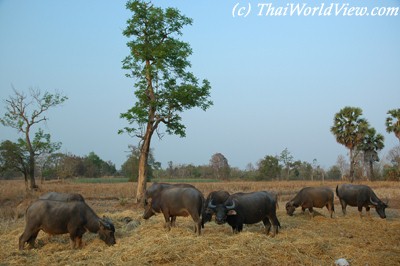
(217, 197)
(61, 217)
(62, 196)
(177, 201)
(247, 208)
(360, 196)
(155, 189)
(310, 197)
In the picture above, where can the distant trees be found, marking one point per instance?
(349, 129)
(393, 122)
(286, 159)
(220, 166)
(23, 113)
(269, 168)
(64, 166)
(131, 166)
(370, 145)
(13, 157)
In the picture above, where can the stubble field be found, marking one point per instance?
(301, 240)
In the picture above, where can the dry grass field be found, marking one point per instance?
(301, 240)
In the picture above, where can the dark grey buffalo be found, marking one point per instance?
(247, 208)
(176, 201)
(360, 196)
(62, 196)
(155, 189)
(310, 197)
(217, 197)
(58, 217)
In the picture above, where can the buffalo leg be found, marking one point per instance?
(173, 221)
(344, 205)
(360, 210)
(267, 224)
(311, 210)
(330, 208)
(29, 238)
(167, 221)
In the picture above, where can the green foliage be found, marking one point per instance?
(348, 127)
(13, 156)
(393, 122)
(131, 166)
(22, 114)
(158, 61)
(269, 168)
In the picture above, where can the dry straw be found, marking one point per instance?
(301, 240)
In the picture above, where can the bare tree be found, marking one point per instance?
(220, 166)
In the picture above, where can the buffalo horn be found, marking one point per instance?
(210, 205)
(230, 207)
(373, 202)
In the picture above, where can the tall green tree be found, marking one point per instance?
(164, 88)
(23, 113)
(349, 129)
(393, 122)
(269, 168)
(371, 144)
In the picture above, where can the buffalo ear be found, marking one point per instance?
(232, 212)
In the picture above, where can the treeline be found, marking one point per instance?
(62, 166)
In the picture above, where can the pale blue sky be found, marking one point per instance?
(276, 81)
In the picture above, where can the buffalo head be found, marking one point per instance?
(290, 208)
(379, 207)
(106, 231)
(148, 209)
(222, 211)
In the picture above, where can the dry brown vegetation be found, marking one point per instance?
(301, 240)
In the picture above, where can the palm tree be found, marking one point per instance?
(391, 125)
(371, 144)
(349, 129)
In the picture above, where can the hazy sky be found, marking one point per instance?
(277, 82)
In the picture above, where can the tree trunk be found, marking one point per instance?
(31, 165)
(351, 166)
(143, 159)
(145, 148)
(32, 171)
(371, 170)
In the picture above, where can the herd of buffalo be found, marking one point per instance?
(60, 213)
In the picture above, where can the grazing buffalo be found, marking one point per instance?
(247, 208)
(310, 197)
(62, 196)
(360, 196)
(176, 201)
(217, 197)
(61, 217)
(155, 189)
